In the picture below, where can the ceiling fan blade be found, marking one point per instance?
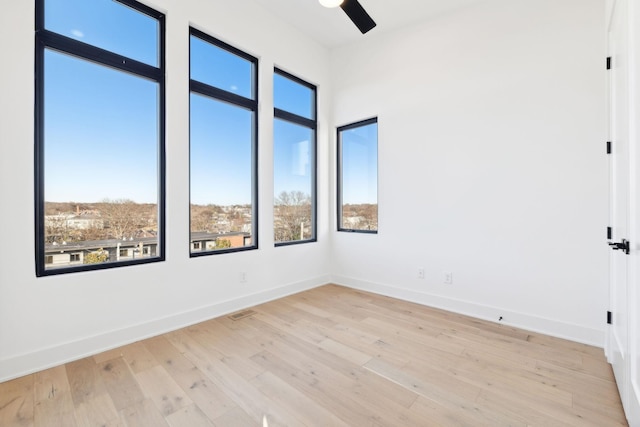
(358, 15)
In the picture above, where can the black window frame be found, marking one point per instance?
(339, 130)
(47, 39)
(222, 95)
(313, 125)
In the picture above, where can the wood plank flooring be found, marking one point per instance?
(330, 356)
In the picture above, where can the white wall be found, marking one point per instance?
(491, 163)
(44, 321)
(491, 126)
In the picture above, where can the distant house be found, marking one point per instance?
(82, 221)
(203, 241)
(69, 254)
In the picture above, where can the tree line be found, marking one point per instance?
(123, 219)
(109, 219)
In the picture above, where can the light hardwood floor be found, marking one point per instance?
(331, 356)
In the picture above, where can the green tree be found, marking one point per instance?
(223, 243)
(96, 257)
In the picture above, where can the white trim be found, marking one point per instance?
(632, 405)
(45, 358)
(525, 321)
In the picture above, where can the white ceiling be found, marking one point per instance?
(332, 27)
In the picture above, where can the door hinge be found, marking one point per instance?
(609, 318)
(608, 62)
(609, 233)
(608, 147)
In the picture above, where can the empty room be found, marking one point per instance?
(320, 213)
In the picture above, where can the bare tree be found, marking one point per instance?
(292, 216)
(201, 218)
(56, 228)
(122, 218)
(360, 217)
(75, 221)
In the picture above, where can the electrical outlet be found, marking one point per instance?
(420, 273)
(242, 277)
(447, 277)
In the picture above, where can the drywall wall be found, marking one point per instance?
(491, 124)
(45, 321)
(491, 163)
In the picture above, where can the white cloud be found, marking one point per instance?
(77, 33)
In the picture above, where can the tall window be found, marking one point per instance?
(223, 147)
(99, 158)
(294, 154)
(358, 177)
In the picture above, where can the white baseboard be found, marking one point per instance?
(45, 358)
(528, 322)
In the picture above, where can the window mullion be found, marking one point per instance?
(222, 95)
(86, 51)
(294, 118)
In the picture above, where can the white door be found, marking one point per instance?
(619, 194)
(633, 401)
(623, 344)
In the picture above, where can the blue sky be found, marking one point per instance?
(106, 24)
(220, 152)
(292, 157)
(219, 68)
(292, 143)
(292, 97)
(360, 164)
(101, 125)
(101, 133)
